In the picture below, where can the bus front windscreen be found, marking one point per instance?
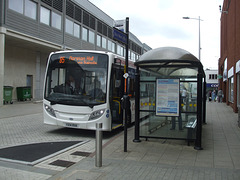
(77, 79)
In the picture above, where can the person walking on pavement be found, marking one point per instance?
(213, 95)
(209, 96)
(220, 95)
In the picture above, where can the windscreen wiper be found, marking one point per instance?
(91, 105)
(53, 102)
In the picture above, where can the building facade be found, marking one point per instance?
(211, 80)
(229, 61)
(31, 29)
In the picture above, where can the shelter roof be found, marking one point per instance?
(169, 61)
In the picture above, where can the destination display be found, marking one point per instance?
(167, 97)
(79, 59)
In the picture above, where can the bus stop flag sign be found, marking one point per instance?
(119, 31)
(119, 36)
(120, 25)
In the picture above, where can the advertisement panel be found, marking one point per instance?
(167, 97)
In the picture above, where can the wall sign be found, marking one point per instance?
(231, 72)
(238, 66)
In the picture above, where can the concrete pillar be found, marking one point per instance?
(38, 76)
(2, 58)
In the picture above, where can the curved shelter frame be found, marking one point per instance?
(170, 96)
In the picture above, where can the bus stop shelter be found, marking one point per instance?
(170, 96)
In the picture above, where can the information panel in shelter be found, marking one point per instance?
(167, 97)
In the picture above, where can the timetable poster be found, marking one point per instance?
(167, 102)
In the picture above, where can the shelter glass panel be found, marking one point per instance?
(180, 127)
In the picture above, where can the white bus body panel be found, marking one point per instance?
(77, 116)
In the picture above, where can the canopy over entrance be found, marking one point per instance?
(169, 94)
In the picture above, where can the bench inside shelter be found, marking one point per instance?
(191, 126)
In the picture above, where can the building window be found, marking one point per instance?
(99, 40)
(120, 50)
(231, 87)
(72, 28)
(16, 5)
(76, 30)
(45, 15)
(109, 45)
(30, 9)
(238, 89)
(133, 56)
(88, 35)
(91, 37)
(137, 57)
(84, 34)
(113, 47)
(104, 42)
(56, 20)
(26, 7)
(69, 27)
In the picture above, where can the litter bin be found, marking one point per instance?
(7, 94)
(24, 93)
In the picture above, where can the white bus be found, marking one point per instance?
(85, 87)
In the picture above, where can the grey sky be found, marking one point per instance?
(159, 23)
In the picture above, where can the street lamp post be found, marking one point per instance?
(199, 35)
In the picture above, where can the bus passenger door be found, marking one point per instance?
(116, 93)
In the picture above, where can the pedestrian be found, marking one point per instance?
(184, 95)
(214, 95)
(210, 96)
(220, 95)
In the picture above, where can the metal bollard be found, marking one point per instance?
(98, 147)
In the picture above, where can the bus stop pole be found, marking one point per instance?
(126, 97)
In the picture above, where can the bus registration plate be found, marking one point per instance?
(71, 125)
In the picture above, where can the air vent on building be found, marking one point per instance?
(48, 2)
(85, 18)
(139, 50)
(58, 5)
(92, 22)
(110, 33)
(78, 14)
(104, 29)
(69, 9)
(134, 47)
(99, 27)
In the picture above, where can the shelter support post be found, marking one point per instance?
(198, 141)
(204, 101)
(137, 99)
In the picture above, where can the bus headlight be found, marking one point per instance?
(96, 114)
(49, 110)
